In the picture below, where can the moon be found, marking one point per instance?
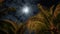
(25, 10)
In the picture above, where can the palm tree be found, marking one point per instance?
(44, 20)
(8, 26)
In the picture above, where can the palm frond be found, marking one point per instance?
(8, 26)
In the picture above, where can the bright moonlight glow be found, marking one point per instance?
(25, 10)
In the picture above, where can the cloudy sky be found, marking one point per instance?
(20, 4)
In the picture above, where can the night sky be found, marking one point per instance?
(19, 4)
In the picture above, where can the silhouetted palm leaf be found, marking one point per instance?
(8, 26)
(45, 19)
